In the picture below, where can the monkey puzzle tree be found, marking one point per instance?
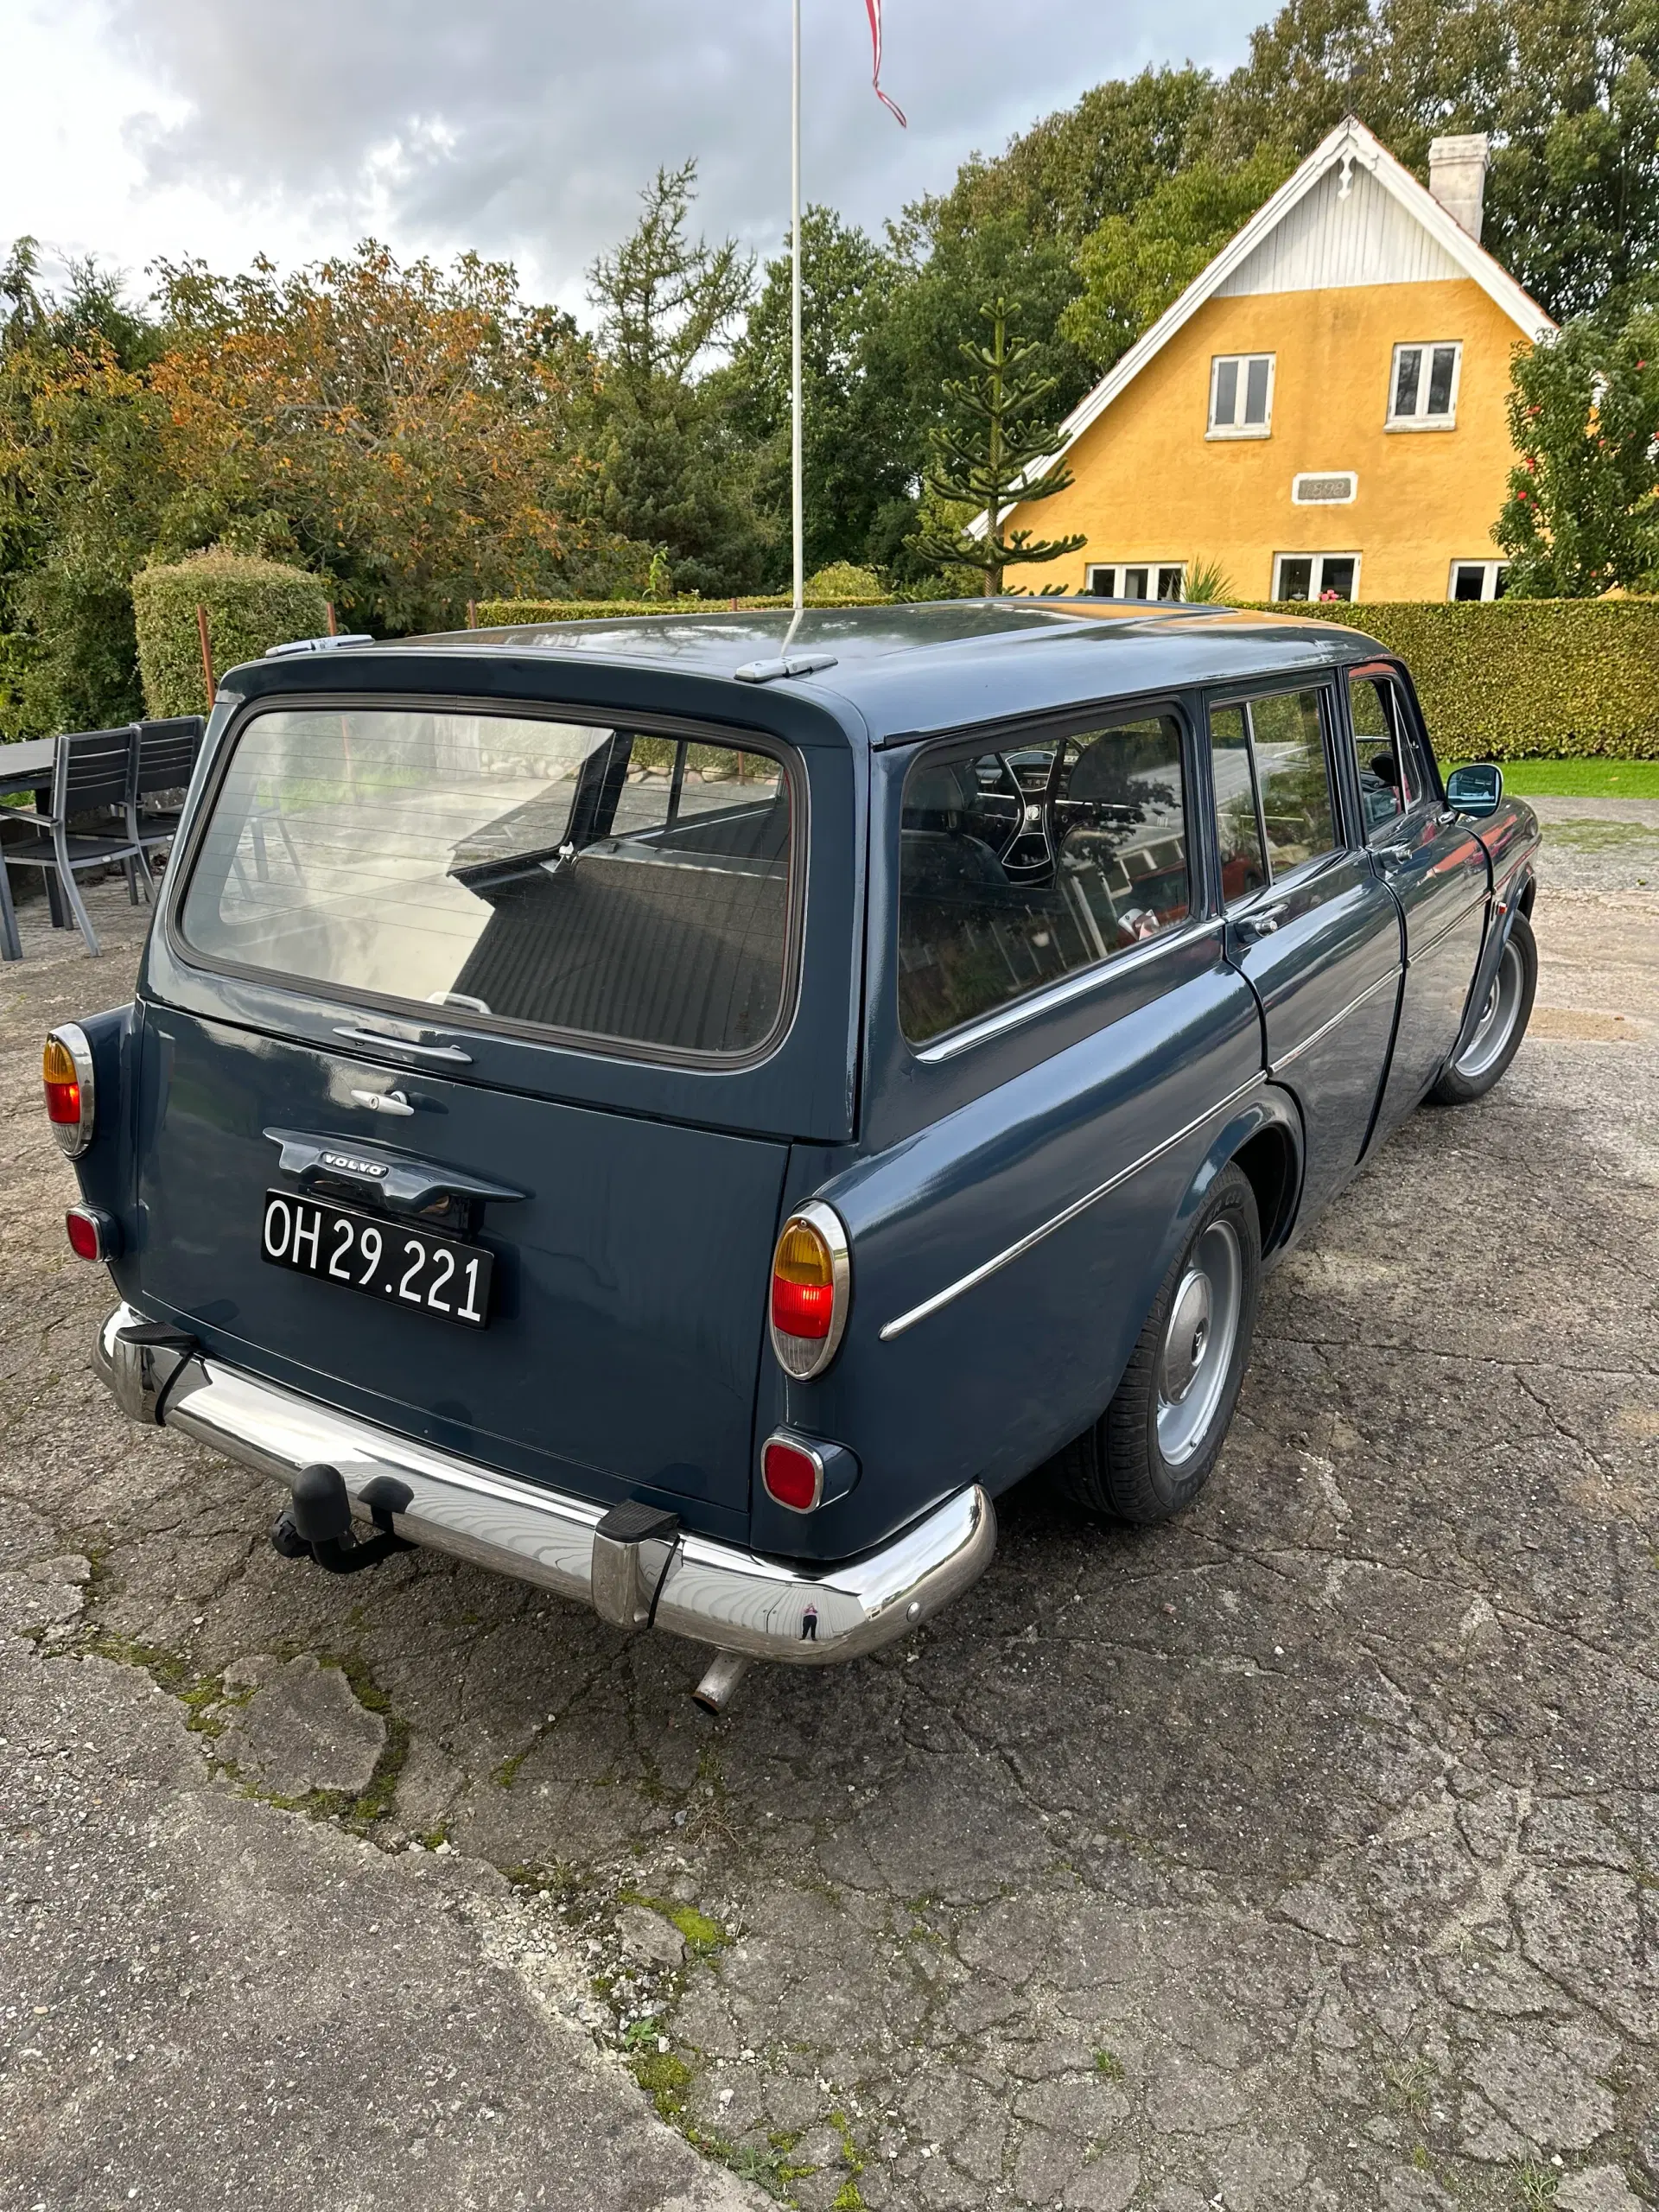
(988, 455)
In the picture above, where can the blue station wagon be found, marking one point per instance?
(687, 1115)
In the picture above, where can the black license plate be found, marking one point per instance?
(381, 1257)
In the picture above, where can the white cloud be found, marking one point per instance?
(133, 127)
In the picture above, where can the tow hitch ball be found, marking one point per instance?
(316, 1522)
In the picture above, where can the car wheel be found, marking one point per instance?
(1151, 1451)
(1496, 1035)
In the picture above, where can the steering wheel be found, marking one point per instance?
(1012, 817)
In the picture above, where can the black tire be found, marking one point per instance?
(1498, 1038)
(1120, 1468)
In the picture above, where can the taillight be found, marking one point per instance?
(792, 1472)
(66, 1071)
(811, 1285)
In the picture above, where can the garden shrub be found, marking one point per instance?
(251, 605)
(1516, 679)
(1510, 680)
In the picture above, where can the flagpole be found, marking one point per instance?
(795, 487)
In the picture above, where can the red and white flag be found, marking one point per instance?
(873, 7)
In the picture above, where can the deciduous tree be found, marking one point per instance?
(406, 430)
(1583, 510)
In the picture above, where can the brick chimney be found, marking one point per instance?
(1457, 177)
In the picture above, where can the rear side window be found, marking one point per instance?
(1019, 866)
(553, 875)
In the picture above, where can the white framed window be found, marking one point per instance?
(1477, 580)
(1135, 579)
(1316, 575)
(1324, 487)
(1241, 395)
(1423, 386)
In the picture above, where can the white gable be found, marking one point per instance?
(1364, 235)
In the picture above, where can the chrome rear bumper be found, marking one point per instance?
(713, 1592)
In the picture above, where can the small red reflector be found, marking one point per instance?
(793, 1476)
(86, 1239)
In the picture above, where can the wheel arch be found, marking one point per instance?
(1263, 1140)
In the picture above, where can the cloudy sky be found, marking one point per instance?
(134, 128)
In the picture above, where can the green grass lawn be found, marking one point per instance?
(1582, 779)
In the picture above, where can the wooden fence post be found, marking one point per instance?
(206, 654)
(333, 626)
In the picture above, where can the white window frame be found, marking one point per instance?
(1421, 420)
(1241, 429)
(1490, 571)
(1112, 571)
(1319, 560)
(1305, 476)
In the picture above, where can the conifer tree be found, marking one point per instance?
(995, 436)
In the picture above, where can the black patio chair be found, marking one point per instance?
(91, 774)
(164, 760)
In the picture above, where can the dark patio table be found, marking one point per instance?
(28, 767)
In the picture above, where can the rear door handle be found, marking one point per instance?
(1261, 922)
(1395, 852)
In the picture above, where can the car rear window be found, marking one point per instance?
(1018, 867)
(557, 876)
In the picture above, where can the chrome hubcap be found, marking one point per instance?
(1497, 1017)
(1199, 1343)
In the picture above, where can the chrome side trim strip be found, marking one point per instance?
(713, 1592)
(1336, 1020)
(1059, 993)
(897, 1327)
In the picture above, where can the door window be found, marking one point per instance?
(1019, 866)
(1390, 779)
(1274, 808)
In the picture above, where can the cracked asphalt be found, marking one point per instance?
(1302, 1853)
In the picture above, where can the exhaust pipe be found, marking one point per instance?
(719, 1686)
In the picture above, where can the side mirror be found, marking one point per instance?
(1476, 789)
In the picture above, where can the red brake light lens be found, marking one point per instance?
(810, 1283)
(803, 1282)
(792, 1475)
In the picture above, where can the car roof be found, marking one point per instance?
(935, 664)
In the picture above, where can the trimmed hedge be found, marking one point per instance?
(1518, 679)
(1511, 679)
(504, 613)
(250, 606)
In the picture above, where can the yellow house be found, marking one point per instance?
(1321, 413)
